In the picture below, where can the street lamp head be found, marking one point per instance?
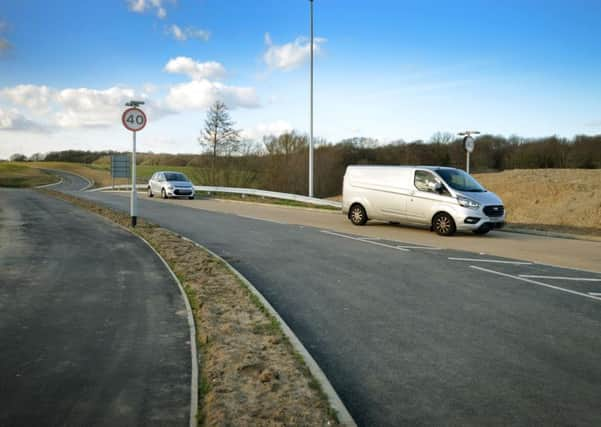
(134, 103)
(469, 132)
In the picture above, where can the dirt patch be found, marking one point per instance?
(250, 373)
(562, 200)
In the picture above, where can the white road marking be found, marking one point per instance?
(577, 279)
(498, 261)
(431, 248)
(595, 294)
(261, 219)
(364, 240)
(534, 282)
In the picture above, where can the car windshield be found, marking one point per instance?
(459, 180)
(170, 176)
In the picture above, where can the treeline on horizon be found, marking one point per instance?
(281, 163)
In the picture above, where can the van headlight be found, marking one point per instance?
(467, 203)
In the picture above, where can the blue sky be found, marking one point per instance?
(385, 69)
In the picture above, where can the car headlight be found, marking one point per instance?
(467, 203)
(169, 187)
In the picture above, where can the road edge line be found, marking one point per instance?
(344, 417)
(60, 181)
(90, 181)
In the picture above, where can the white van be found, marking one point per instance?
(444, 199)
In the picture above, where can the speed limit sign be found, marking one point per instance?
(134, 119)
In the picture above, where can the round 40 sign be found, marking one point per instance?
(134, 119)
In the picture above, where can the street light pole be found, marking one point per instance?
(311, 109)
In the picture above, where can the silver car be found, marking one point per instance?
(442, 198)
(170, 184)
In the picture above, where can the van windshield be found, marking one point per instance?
(175, 177)
(459, 180)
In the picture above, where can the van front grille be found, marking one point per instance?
(496, 210)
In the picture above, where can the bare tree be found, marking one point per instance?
(219, 136)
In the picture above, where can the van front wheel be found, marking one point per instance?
(357, 215)
(443, 224)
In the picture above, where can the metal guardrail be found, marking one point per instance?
(243, 191)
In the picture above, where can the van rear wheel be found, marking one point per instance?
(357, 215)
(443, 224)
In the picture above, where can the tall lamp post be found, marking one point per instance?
(311, 107)
(468, 145)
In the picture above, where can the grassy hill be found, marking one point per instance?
(18, 176)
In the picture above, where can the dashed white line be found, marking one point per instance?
(578, 279)
(498, 261)
(595, 294)
(364, 240)
(534, 282)
(431, 248)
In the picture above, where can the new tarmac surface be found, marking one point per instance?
(414, 334)
(93, 329)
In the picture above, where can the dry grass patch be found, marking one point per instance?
(250, 374)
(564, 200)
(18, 175)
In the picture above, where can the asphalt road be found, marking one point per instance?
(93, 329)
(414, 335)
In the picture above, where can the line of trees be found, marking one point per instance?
(280, 163)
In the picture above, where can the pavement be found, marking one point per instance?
(93, 329)
(410, 333)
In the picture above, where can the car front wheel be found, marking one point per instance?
(150, 192)
(163, 194)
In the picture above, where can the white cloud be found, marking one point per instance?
(141, 6)
(263, 129)
(183, 34)
(77, 108)
(200, 94)
(34, 97)
(13, 120)
(195, 70)
(290, 55)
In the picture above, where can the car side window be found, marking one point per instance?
(423, 180)
(160, 177)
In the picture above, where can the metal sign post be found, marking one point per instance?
(468, 145)
(134, 120)
(311, 154)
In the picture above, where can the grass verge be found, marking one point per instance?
(16, 175)
(250, 374)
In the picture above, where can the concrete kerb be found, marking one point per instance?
(344, 417)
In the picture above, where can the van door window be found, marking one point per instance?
(423, 181)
